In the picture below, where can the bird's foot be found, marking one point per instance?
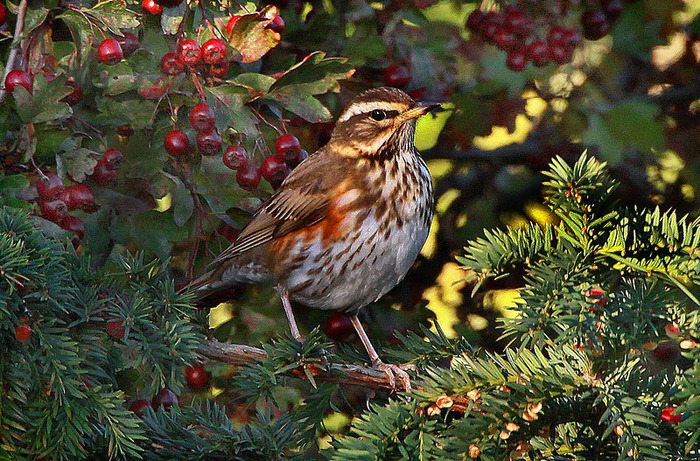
(392, 372)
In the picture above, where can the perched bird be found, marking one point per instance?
(346, 224)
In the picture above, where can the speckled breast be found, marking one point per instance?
(374, 229)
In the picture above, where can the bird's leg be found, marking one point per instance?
(290, 314)
(390, 370)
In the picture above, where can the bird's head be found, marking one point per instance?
(377, 122)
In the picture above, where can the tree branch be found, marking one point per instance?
(341, 373)
(10, 66)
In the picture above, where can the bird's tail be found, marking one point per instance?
(246, 268)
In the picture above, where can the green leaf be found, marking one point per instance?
(250, 38)
(82, 32)
(34, 17)
(634, 123)
(45, 104)
(183, 203)
(79, 163)
(314, 75)
(171, 18)
(599, 134)
(154, 231)
(134, 112)
(114, 15)
(232, 108)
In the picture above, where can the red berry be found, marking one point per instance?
(171, 64)
(230, 233)
(303, 155)
(49, 186)
(75, 225)
(23, 333)
(539, 53)
(570, 38)
(231, 23)
(18, 77)
(54, 210)
(113, 158)
(165, 398)
(560, 53)
(476, 21)
(595, 24)
(197, 378)
(129, 43)
(210, 142)
(597, 296)
(611, 8)
(202, 117)
(151, 6)
(672, 330)
(168, 3)
(248, 177)
(274, 170)
(505, 39)
(109, 52)
(189, 52)
(519, 22)
(417, 94)
(3, 14)
(115, 329)
(214, 51)
(219, 70)
(396, 75)
(556, 34)
(79, 196)
(338, 327)
(277, 24)
(103, 174)
(176, 143)
(75, 96)
(287, 147)
(666, 352)
(138, 406)
(235, 157)
(669, 415)
(516, 60)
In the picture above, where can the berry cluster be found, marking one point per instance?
(513, 31)
(274, 168)
(164, 398)
(209, 59)
(56, 200)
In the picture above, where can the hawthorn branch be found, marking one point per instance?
(12, 56)
(341, 373)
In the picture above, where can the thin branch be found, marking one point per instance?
(341, 373)
(10, 66)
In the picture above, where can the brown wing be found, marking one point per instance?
(301, 201)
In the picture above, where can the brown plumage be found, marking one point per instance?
(346, 224)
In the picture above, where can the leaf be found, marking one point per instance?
(171, 18)
(45, 103)
(34, 17)
(114, 15)
(79, 163)
(153, 231)
(183, 203)
(634, 124)
(218, 186)
(233, 109)
(599, 135)
(250, 38)
(82, 31)
(134, 112)
(314, 75)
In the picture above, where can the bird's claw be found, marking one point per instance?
(392, 372)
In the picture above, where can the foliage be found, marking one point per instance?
(600, 341)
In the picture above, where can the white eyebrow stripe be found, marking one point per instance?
(365, 107)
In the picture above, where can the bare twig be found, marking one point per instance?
(342, 373)
(10, 66)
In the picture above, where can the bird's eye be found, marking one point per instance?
(378, 115)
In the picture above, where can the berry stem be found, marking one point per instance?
(198, 86)
(266, 121)
(10, 66)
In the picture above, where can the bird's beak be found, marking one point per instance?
(420, 108)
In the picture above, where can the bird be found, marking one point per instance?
(346, 224)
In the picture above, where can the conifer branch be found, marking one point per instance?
(341, 373)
